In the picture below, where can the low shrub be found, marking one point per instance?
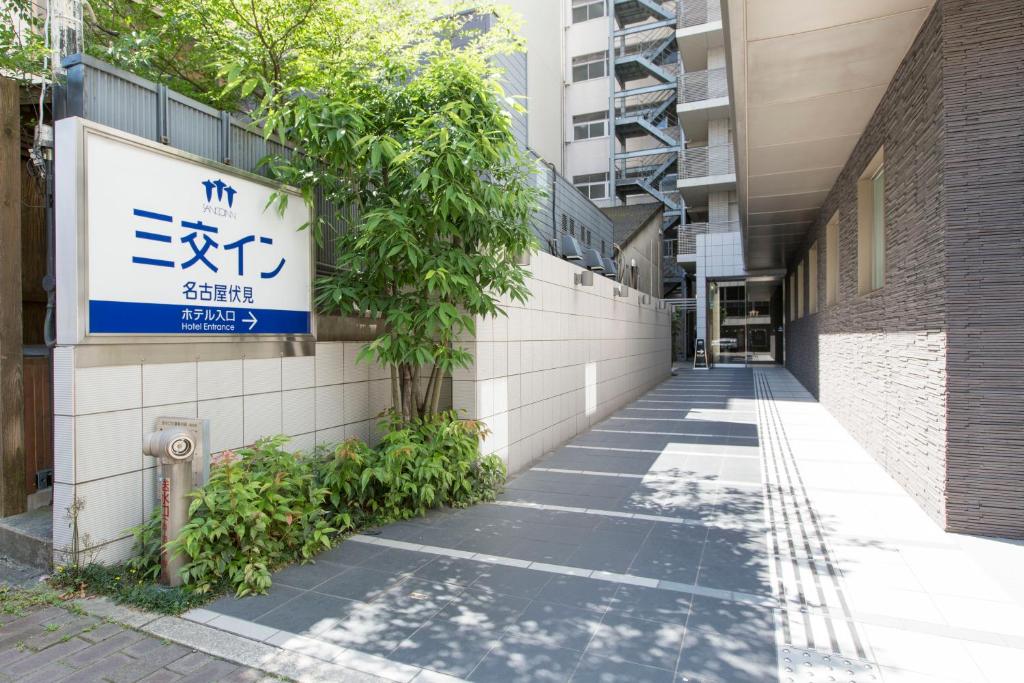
(264, 507)
(432, 461)
(261, 508)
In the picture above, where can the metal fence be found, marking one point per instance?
(699, 86)
(100, 92)
(687, 234)
(697, 12)
(701, 162)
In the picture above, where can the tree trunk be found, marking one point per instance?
(396, 391)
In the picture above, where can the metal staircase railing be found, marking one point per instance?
(702, 162)
(687, 234)
(650, 54)
(699, 86)
(697, 12)
(645, 173)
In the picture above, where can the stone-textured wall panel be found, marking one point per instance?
(983, 52)
(877, 360)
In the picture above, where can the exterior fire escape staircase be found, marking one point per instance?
(644, 121)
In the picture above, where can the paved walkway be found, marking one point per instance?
(52, 644)
(723, 529)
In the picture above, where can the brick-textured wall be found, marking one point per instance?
(877, 361)
(983, 53)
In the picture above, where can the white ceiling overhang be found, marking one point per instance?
(806, 76)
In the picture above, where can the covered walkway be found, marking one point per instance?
(722, 528)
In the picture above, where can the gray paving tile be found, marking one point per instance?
(654, 604)
(579, 592)
(351, 553)
(556, 625)
(359, 583)
(651, 643)
(306, 576)
(308, 613)
(251, 607)
(730, 619)
(595, 669)
(711, 657)
(482, 610)
(455, 570)
(516, 661)
(397, 561)
(438, 646)
(512, 581)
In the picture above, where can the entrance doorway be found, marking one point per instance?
(744, 321)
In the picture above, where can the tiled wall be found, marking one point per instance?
(564, 361)
(549, 370)
(102, 413)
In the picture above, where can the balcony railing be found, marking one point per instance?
(697, 12)
(701, 162)
(700, 86)
(688, 233)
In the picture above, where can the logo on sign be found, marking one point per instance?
(219, 193)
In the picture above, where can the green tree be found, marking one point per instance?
(22, 49)
(442, 194)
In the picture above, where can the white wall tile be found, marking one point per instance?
(302, 442)
(225, 416)
(261, 416)
(356, 402)
(298, 372)
(329, 407)
(108, 444)
(104, 389)
(219, 378)
(109, 508)
(64, 449)
(64, 380)
(166, 383)
(330, 360)
(330, 436)
(355, 371)
(298, 410)
(261, 375)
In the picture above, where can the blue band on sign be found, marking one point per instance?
(123, 317)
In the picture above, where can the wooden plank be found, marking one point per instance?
(12, 438)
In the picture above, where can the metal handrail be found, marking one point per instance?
(701, 162)
(687, 233)
(640, 167)
(697, 12)
(698, 86)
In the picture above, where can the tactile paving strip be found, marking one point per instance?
(798, 665)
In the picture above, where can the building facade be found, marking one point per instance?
(891, 195)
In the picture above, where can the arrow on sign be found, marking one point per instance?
(251, 320)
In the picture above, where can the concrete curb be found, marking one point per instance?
(224, 645)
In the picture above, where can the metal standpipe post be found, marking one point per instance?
(175, 447)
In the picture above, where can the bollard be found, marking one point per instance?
(175, 447)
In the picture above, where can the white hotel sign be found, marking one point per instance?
(152, 241)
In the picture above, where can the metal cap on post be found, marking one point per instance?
(176, 443)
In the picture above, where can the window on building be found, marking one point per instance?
(572, 226)
(832, 260)
(800, 289)
(565, 224)
(812, 279)
(587, 67)
(602, 248)
(871, 225)
(585, 10)
(592, 185)
(587, 126)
